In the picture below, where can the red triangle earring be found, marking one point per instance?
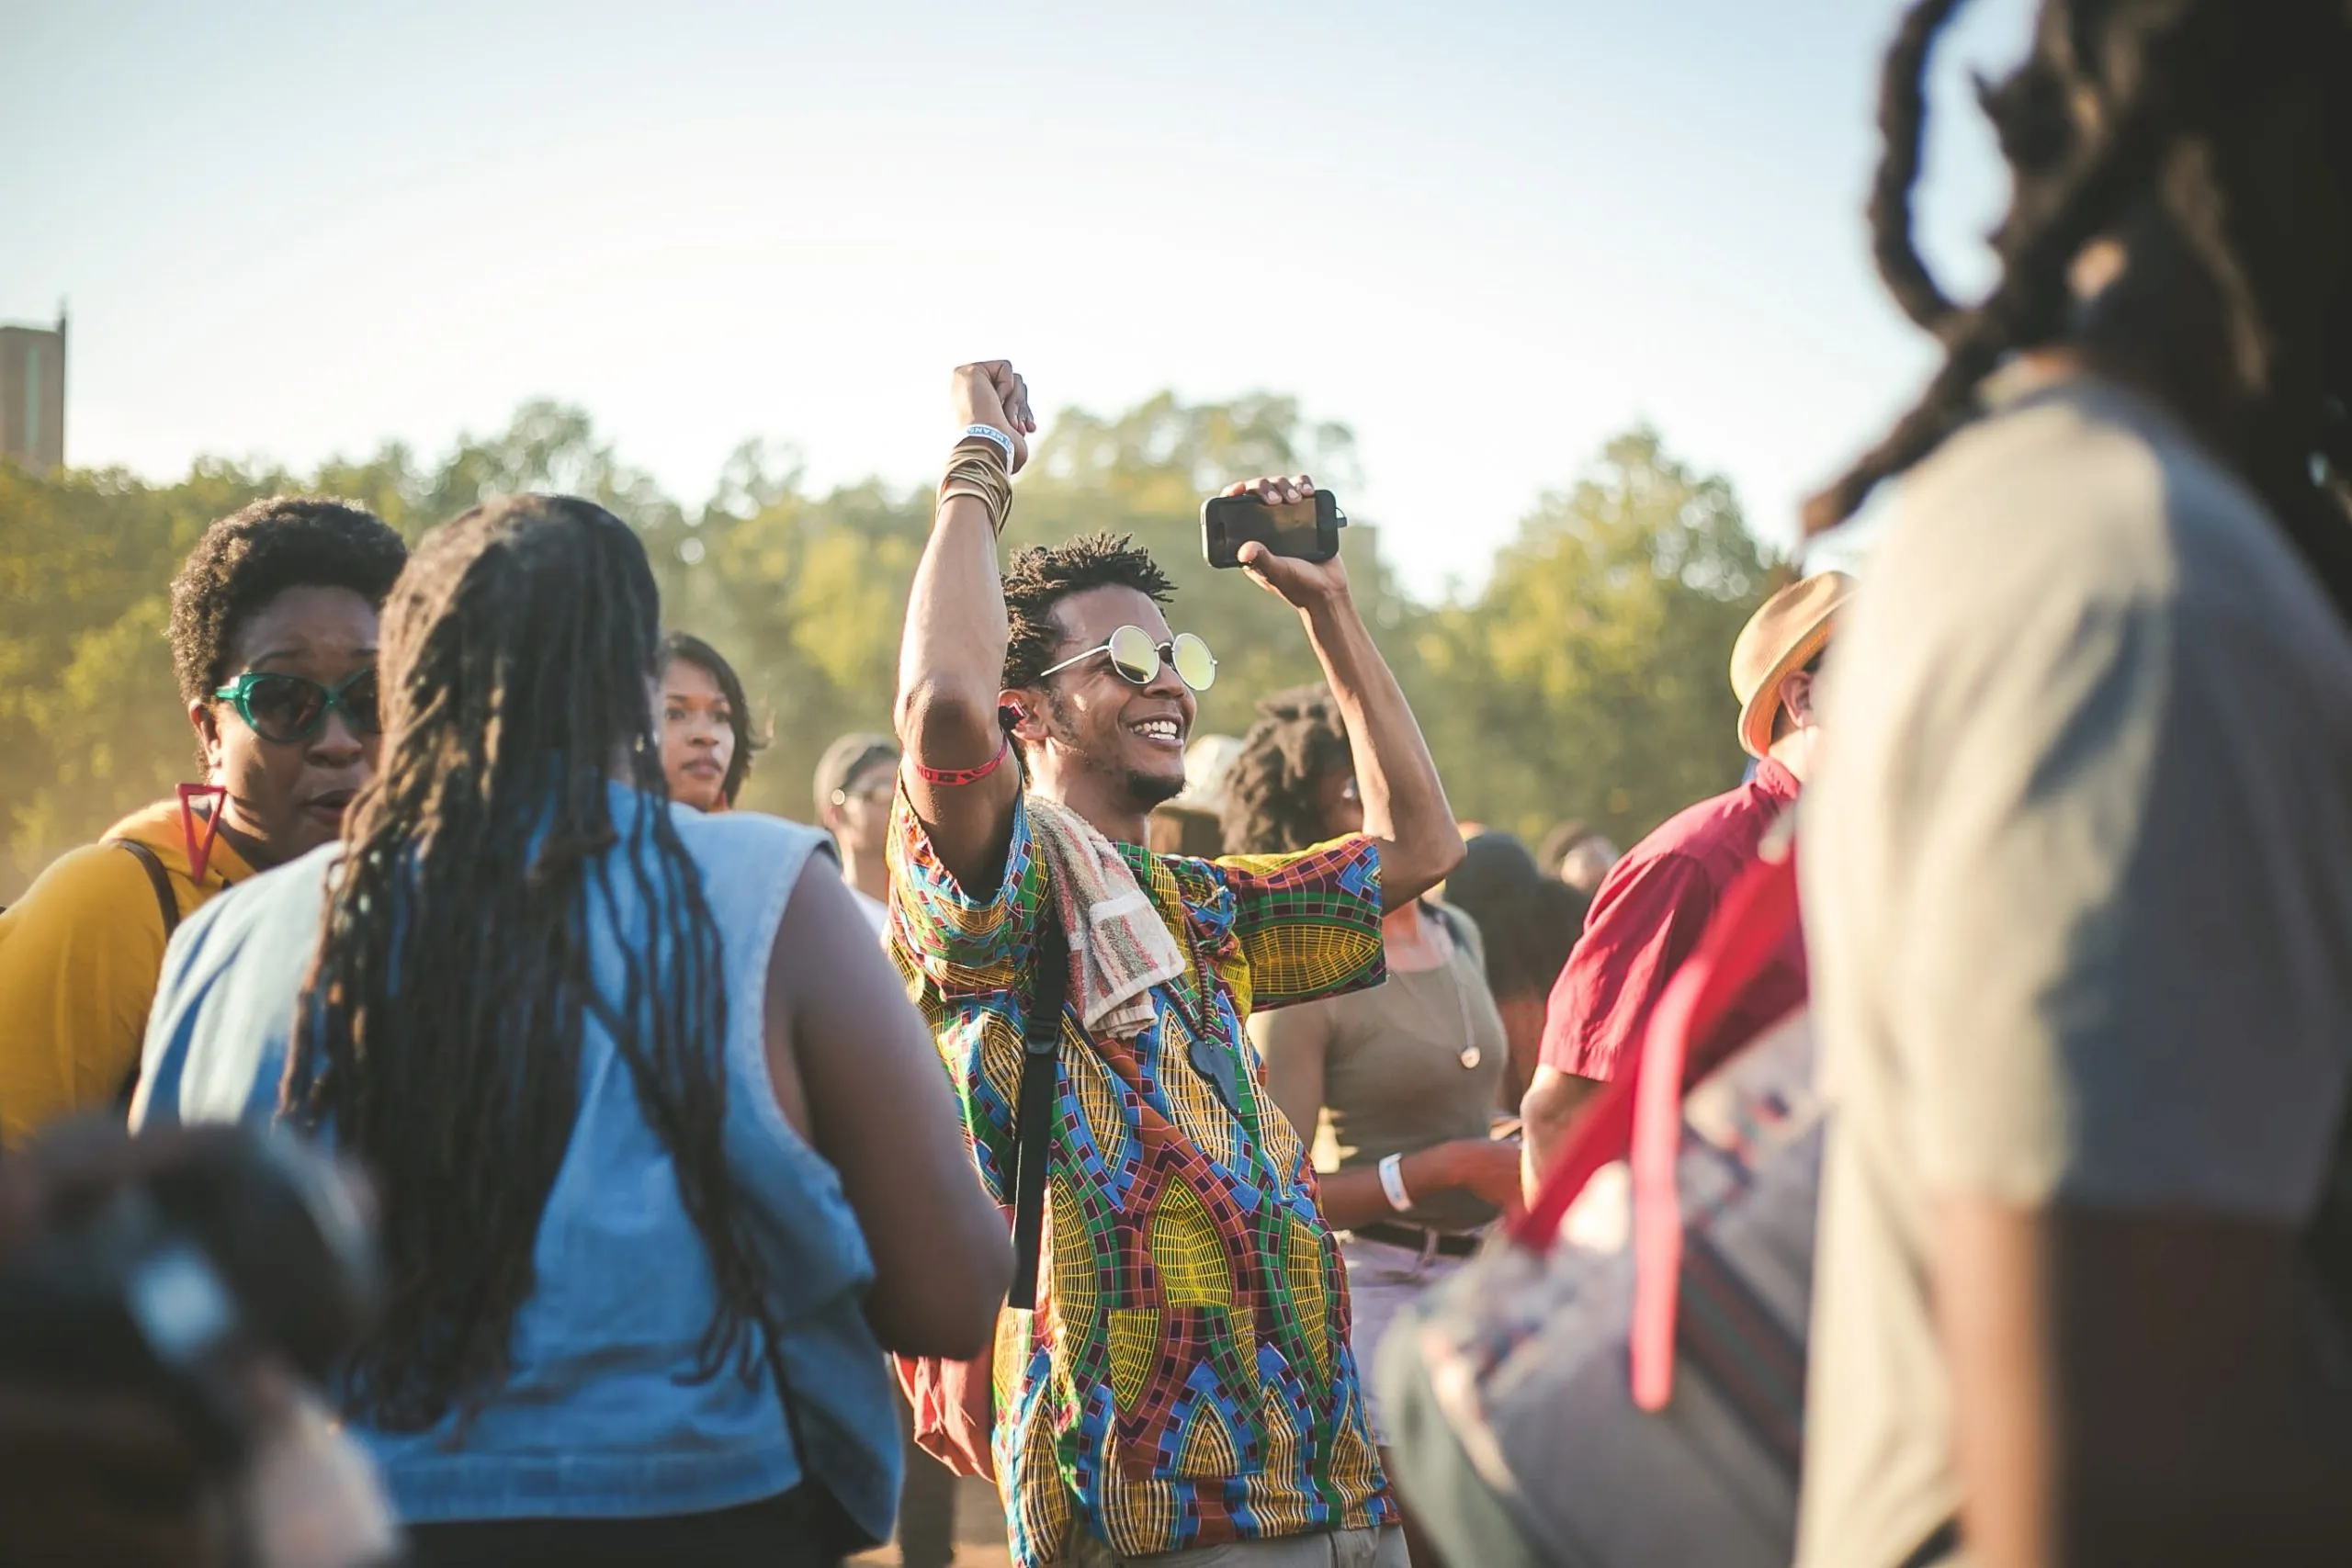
(200, 856)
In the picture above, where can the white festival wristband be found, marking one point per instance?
(1392, 1182)
(989, 432)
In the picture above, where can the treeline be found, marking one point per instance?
(1586, 679)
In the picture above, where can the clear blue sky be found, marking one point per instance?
(1486, 235)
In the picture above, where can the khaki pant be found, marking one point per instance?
(1331, 1549)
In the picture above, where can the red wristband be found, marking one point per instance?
(948, 778)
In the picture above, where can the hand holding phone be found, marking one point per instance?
(1309, 581)
(1289, 517)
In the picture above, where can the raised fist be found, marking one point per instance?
(990, 393)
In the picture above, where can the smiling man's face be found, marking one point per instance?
(1128, 740)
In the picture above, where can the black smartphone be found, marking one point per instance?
(1307, 530)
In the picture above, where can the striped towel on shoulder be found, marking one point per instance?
(1119, 946)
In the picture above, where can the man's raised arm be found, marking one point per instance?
(950, 666)
(1404, 804)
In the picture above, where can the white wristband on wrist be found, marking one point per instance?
(989, 432)
(1392, 1182)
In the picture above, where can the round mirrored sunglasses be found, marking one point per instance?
(1137, 659)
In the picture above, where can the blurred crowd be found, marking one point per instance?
(448, 1130)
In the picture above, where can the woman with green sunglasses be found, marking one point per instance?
(273, 637)
(289, 709)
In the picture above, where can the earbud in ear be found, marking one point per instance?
(1008, 715)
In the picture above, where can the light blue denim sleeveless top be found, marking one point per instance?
(600, 1415)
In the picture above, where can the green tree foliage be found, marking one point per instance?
(1590, 678)
(90, 718)
(1586, 679)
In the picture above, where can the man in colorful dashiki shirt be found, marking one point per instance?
(1184, 1383)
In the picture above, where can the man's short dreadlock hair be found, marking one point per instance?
(1270, 807)
(249, 556)
(1044, 575)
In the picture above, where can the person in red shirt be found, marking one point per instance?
(1650, 909)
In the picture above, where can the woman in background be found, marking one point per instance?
(1401, 1080)
(706, 739)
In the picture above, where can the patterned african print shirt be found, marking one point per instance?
(1185, 1379)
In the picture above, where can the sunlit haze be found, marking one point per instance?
(1486, 236)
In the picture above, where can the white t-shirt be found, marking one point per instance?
(2078, 893)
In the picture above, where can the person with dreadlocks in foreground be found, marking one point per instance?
(2078, 873)
(630, 1079)
(1183, 1386)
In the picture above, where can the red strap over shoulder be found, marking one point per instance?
(1602, 1132)
(1639, 1114)
(1685, 1044)
(1746, 932)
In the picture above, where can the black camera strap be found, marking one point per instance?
(1041, 1047)
(167, 904)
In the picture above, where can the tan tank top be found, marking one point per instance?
(1394, 1074)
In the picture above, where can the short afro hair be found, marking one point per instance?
(249, 556)
(1044, 575)
(1270, 807)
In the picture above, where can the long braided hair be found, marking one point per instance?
(442, 1017)
(2139, 113)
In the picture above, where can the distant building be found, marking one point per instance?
(32, 395)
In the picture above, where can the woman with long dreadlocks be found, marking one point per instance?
(630, 1079)
(2078, 876)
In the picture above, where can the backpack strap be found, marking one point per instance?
(167, 903)
(1685, 1041)
(1041, 1047)
(1750, 924)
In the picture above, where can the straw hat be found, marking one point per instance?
(1785, 635)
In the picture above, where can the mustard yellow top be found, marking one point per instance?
(79, 955)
